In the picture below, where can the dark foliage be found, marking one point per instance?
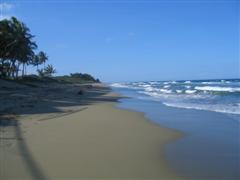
(84, 77)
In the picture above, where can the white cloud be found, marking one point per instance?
(5, 10)
(2, 17)
(6, 6)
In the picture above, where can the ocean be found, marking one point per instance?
(207, 112)
(212, 95)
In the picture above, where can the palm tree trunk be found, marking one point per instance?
(18, 66)
(13, 69)
(23, 69)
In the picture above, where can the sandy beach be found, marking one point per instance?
(54, 133)
(119, 90)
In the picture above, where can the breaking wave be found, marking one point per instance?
(218, 95)
(217, 88)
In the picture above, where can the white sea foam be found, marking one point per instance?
(216, 82)
(189, 95)
(208, 82)
(119, 85)
(150, 89)
(217, 88)
(153, 82)
(145, 85)
(190, 91)
(152, 94)
(179, 91)
(138, 83)
(165, 91)
(216, 108)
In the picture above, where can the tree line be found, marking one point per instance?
(84, 76)
(18, 50)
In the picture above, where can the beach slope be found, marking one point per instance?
(83, 137)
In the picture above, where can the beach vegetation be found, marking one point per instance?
(84, 76)
(47, 71)
(78, 78)
(40, 59)
(17, 48)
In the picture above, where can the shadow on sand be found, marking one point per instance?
(50, 102)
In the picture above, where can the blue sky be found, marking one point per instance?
(135, 40)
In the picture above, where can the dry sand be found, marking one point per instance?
(67, 136)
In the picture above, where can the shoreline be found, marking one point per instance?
(204, 141)
(91, 139)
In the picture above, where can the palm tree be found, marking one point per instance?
(49, 70)
(16, 44)
(24, 46)
(5, 40)
(42, 57)
(35, 61)
(39, 59)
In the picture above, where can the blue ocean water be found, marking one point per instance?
(206, 111)
(213, 95)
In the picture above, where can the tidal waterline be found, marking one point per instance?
(210, 148)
